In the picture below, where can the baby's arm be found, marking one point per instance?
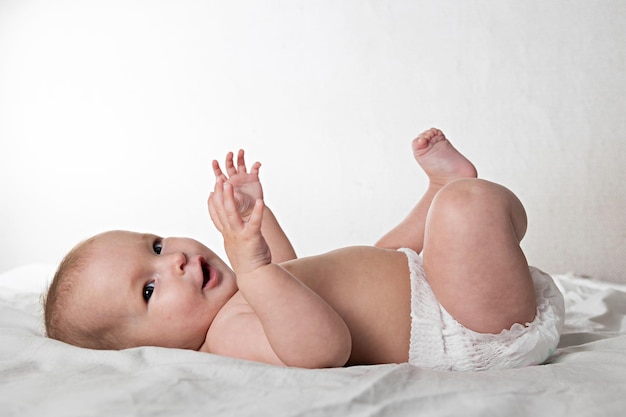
(301, 328)
(247, 189)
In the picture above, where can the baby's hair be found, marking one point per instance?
(63, 317)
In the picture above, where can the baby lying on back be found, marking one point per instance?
(448, 288)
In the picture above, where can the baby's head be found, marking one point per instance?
(122, 289)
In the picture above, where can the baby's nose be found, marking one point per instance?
(177, 262)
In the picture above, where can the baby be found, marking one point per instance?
(448, 288)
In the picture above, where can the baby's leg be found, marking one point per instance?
(472, 258)
(443, 164)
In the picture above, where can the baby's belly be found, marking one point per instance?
(370, 288)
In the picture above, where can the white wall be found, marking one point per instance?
(111, 111)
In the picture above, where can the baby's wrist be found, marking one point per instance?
(251, 273)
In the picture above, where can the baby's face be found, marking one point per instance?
(161, 292)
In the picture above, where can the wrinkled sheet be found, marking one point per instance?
(42, 377)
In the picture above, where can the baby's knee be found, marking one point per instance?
(478, 197)
(469, 192)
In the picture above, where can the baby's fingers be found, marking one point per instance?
(230, 207)
(230, 166)
(241, 161)
(223, 208)
(213, 213)
(218, 171)
(256, 217)
(216, 205)
(255, 169)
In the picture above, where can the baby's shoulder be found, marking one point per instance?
(237, 332)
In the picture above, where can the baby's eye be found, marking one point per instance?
(147, 291)
(157, 246)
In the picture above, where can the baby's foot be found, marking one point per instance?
(439, 159)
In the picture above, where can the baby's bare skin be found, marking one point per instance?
(369, 287)
(349, 306)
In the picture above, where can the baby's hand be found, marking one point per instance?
(245, 246)
(246, 185)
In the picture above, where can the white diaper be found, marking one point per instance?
(438, 341)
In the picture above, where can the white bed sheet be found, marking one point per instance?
(42, 377)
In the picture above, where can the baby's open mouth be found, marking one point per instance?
(206, 274)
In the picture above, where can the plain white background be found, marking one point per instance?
(111, 112)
